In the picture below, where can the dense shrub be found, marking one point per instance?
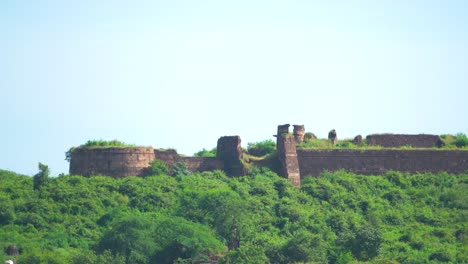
(205, 153)
(461, 140)
(261, 148)
(259, 218)
(158, 167)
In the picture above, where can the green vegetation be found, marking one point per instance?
(99, 143)
(260, 218)
(457, 141)
(321, 143)
(205, 153)
(42, 177)
(261, 148)
(158, 167)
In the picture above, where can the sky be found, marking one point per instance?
(180, 74)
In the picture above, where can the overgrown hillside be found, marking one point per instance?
(260, 218)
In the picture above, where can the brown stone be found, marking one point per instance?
(229, 151)
(113, 161)
(287, 156)
(357, 140)
(400, 140)
(283, 129)
(298, 133)
(309, 136)
(377, 162)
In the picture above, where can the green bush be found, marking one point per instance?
(158, 167)
(106, 143)
(261, 148)
(461, 140)
(41, 178)
(206, 153)
(180, 168)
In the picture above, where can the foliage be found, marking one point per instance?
(40, 179)
(158, 167)
(180, 169)
(261, 148)
(99, 143)
(206, 153)
(106, 143)
(461, 140)
(259, 218)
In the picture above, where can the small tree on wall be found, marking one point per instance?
(42, 177)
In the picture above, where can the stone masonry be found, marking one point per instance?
(229, 150)
(400, 140)
(287, 155)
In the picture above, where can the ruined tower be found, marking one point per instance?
(287, 155)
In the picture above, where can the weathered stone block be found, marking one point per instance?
(298, 133)
(229, 151)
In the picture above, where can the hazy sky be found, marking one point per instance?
(183, 73)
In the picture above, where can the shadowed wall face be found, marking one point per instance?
(229, 151)
(376, 162)
(287, 156)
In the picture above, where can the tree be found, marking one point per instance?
(41, 178)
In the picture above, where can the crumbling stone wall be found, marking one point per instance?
(169, 156)
(287, 155)
(376, 162)
(116, 162)
(202, 163)
(134, 161)
(299, 132)
(400, 140)
(229, 151)
(194, 164)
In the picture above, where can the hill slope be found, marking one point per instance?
(338, 218)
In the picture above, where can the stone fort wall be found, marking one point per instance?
(116, 162)
(290, 162)
(134, 161)
(400, 140)
(376, 162)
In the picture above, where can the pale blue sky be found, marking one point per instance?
(183, 73)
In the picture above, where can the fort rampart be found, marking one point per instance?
(116, 161)
(376, 162)
(290, 162)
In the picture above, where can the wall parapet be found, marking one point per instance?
(400, 140)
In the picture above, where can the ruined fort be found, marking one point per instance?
(290, 160)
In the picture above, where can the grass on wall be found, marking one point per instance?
(100, 143)
(458, 141)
